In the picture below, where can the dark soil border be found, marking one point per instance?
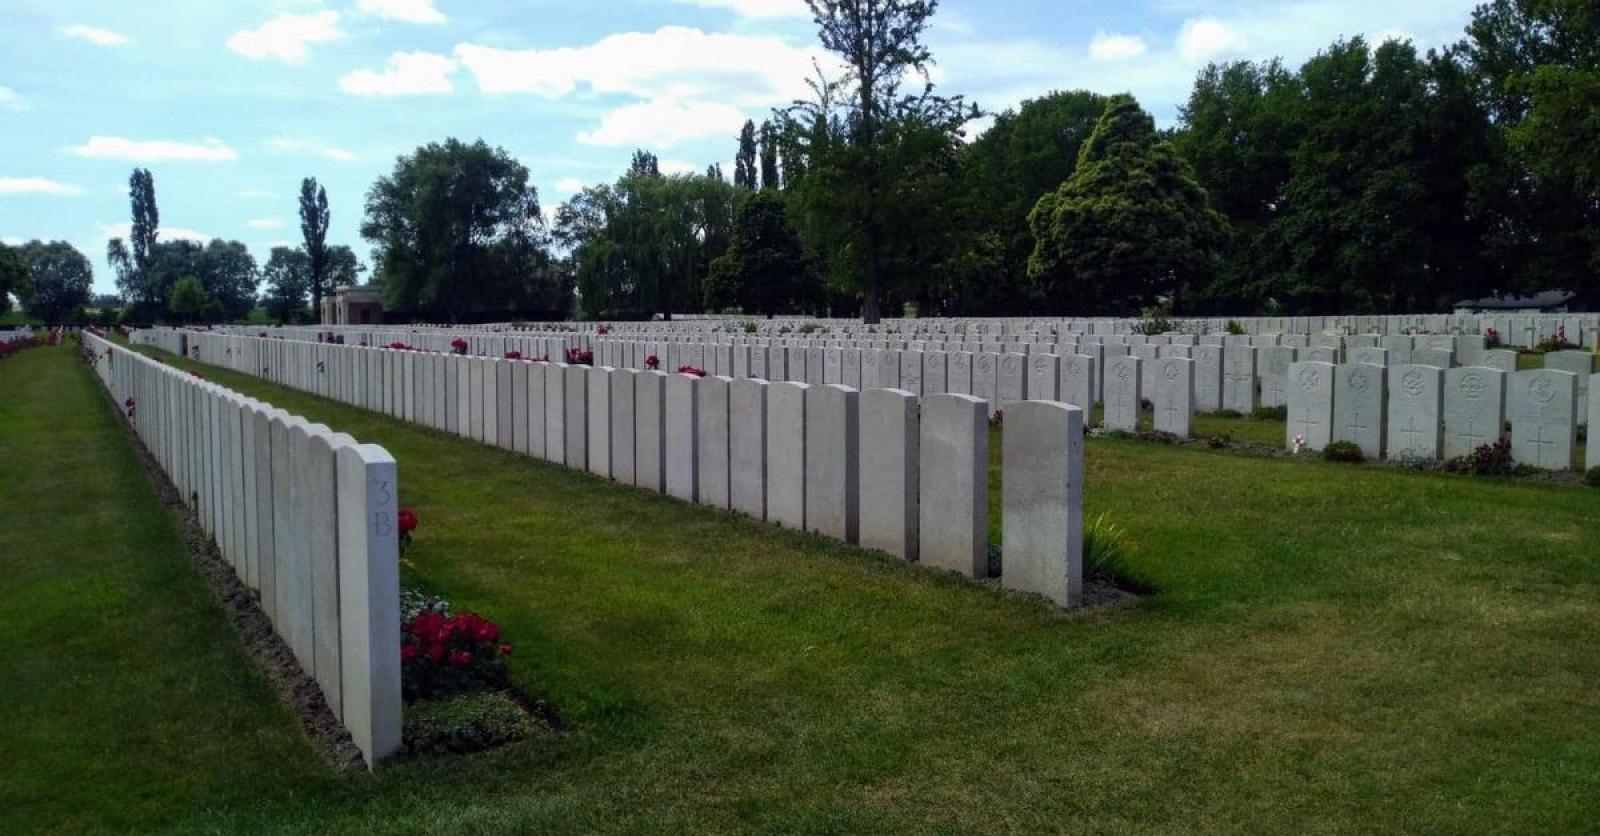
(295, 688)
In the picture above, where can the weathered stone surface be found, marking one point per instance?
(369, 595)
(555, 412)
(1173, 394)
(576, 422)
(1360, 407)
(711, 441)
(1011, 382)
(1310, 402)
(1416, 404)
(1122, 392)
(1544, 410)
(682, 405)
(985, 374)
(959, 373)
(1208, 378)
(890, 443)
(1581, 364)
(1438, 358)
(1239, 378)
(832, 470)
(650, 430)
(623, 384)
(1501, 359)
(747, 447)
(1474, 406)
(1273, 363)
(1079, 383)
(1042, 500)
(786, 454)
(1044, 377)
(536, 409)
(598, 414)
(1370, 355)
(954, 485)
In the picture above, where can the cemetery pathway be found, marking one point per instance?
(1364, 648)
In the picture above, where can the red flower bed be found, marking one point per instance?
(443, 654)
(513, 355)
(12, 346)
(652, 362)
(694, 370)
(459, 344)
(579, 357)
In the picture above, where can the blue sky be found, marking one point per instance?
(230, 103)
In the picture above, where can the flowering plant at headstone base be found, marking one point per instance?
(406, 522)
(513, 355)
(694, 370)
(1491, 338)
(459, 344)
(579, 357)
(443, 654)
(1299, 443)
(652, 362)
(602, 330)
(130, 405)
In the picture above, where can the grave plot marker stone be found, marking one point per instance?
(786, 454)
(1360, 406)
(1274, 363)
(1581, 364)
(650, 430)
(576, 422)
(1239, 378)
(1044, 377)
(1174, 395)
(953, 483)
(711, 442)
(1474, 406)
(747, 447)
(1544, 427)
(832, 468)
(1416, 404)
(1042, 500)
(1208, 378)
(1311, 399)
(598, 413)
(890, 439)
(1122, 392)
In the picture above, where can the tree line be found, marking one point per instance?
(1372, 178)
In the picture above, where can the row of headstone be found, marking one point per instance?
(1421, 412)
(887, 468)
(305, 516)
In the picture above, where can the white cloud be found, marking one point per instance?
(756, 8)
(211, 150)
(676, 61)
(678, 167)
(287, 37)
(338, 155)
(11, 241)
(1208, 38)
(165, 233)
(569, 185)
(264, 223)
(405, 74)
(406, 11)
(663, 123)
(37, 185)
(1109, 47)
(94, 35)
(9, 98)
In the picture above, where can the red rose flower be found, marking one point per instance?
(408, 652)
(408, 521)
(505, 650)
(460, 658)
(435, 652)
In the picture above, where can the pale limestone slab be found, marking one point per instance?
(832, 475)
(786, 454)
(1042, 500)
(747, 446)
(1474, 409)
(890, 444)
(953, 483)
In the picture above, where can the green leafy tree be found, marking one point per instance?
(60, 279)
(1536, 64)
(131, 259)
(1003, 173)
(227, 273)
(1129, 227)
(853, 125)
(456, 230)
(287, 275)
(189, 302)
(314, 219)
(769, 157)
(744, 161)
(764, 269)
(13, 277)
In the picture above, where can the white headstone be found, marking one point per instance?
(1310, 416)
(954, 484)
(1474, 406)
(889, 471)
(1042, 500)
(1416, 404)
(1544, 409)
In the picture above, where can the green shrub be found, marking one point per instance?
(1270, 413)
(1234, 328)
(467, 723)
(1591, 477)
(1343, 451)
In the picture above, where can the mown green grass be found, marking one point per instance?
(1332, 648)
(125, 695)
